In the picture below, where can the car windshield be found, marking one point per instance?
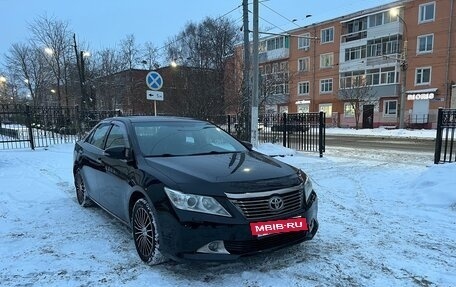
(180, 138)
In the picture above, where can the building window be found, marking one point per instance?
(425, 43)
(304, 41)
(303, 64)
(423, 76)
(326, 86)
(427, 12)
(303, 108)
(383, 46)
(303, 88)
(326, 108)
(349, 111)
(275, 68)
(390, 108)
(352, 79)
(355, 53)
(278, 89)
(381, 19)
(326, 60)
(383, 76)
(327, 35)
(273, 44)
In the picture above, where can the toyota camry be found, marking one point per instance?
(190, 191)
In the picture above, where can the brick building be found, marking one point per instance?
(306, 69)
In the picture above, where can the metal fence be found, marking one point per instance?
(23, 126)
(445, 144)
(301, 131)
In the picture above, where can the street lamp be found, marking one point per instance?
(404, 65)
(49, 51)
(82, 55)
(2, 85)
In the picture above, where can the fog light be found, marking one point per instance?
(214, 247)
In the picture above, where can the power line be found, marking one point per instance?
(279, 14)
(218, 18)
(271, 24)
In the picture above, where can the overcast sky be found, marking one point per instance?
(103, 23)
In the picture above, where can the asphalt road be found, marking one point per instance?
(380, 143)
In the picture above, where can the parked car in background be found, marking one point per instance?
(190, 191)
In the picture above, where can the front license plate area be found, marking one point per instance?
(278, 226)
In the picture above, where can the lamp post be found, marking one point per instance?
(404, 65)
(82, 55)
(3, 81)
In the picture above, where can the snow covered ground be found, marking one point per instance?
(383, 132)
(386, 219)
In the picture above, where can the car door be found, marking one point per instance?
(92, 167)
(115, 182)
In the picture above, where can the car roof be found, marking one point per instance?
(141, 119)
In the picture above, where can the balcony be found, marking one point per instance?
(273, 55)
(354, 36)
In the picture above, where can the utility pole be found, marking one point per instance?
(245, 127)
(254, 121)
(404, 66)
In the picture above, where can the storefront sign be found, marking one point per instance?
(303, 102)
(423, 96)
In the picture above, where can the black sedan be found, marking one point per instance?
(190, 191)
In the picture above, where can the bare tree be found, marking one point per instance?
(150, 56)
(205, 48)
(274, 84)
(107, 89)
(29, 63)
(129, 53)
(54, 37)
(357, 93)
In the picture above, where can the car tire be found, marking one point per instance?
(81, 191)
(145, 233)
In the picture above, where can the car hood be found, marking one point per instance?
(230, 172)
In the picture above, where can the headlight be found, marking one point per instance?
(308, 187)
(197, 203)
(307, 184)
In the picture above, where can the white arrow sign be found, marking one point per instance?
(154, 95)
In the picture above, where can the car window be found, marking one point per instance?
(184, 138)
(116, 138)
(98, 136)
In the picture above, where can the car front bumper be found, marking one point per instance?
(188, 240)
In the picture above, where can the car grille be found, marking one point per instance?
(264, 243)
(257, 208)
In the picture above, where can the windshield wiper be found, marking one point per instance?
(214, 152)
(163, 155)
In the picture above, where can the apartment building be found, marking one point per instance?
(407, 44)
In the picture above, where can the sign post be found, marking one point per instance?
(155, 82)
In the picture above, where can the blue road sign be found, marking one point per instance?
(154, 81)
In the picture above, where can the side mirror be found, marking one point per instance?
(118, 152)
(248, 145)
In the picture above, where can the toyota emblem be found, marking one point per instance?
(275, 203)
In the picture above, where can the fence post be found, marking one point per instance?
(321, 130)
(438, 137)
(284, 129)
(29, 126)
(229, 124)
